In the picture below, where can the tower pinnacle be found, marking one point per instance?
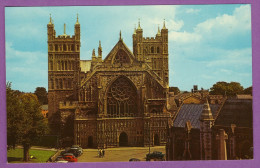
(158, 33)
(120, 37)
(50, 20)
(64, 29)
(77, 19)
(139, 27)
(206, 113)
(164, 24)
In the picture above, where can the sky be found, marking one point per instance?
(207, 43)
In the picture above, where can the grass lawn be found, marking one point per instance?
(16, 156)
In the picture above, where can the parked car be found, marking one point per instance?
(70, 158)
(65, 151)
(155, 156)
(60, 159)
(134, 160)
(77, 147)
(75, 152)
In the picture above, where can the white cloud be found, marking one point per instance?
(192, 11)
(184, 37)
(27, 57)
(226, 25)
(233, 58)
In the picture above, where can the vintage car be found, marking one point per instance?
(70, 158)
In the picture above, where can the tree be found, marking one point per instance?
(24, 115)
(41, 94)
(176, 90)
(14, 121)
(248, 90)
(225, 88)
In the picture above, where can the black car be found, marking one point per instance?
(156, 155)
(75, 152)
(77, 147)
(134, 160)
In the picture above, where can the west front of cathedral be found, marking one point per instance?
(117, 100)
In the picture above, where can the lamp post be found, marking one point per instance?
(149, 135)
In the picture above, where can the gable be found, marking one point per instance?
(120, 55)
(192, 100)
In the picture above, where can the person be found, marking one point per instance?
(99, 153)
(103, 152)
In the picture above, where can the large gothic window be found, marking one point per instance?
(121, 57)
(121, 99)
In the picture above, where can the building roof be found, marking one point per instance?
(236, 111)
(85, 65)
(192, 112)
(244, 96)
(44, 107)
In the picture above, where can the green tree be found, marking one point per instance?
(176, 90)
(14, 122)
(248, 90)
(225, 88)
(41, 94)
(24, 115)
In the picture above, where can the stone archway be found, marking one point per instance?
(90, 142)
(123, 139)
(156, 140)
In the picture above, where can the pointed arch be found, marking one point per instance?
(122, 98)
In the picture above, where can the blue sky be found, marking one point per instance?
(207, 43)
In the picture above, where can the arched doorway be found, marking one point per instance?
(156, 140)
(90, 142)
(123, 139)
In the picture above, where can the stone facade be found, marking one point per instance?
(121, 100)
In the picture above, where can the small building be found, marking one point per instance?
(44, 109)
(212, 131)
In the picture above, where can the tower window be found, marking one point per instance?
(66, 65)
(64, 47)
(158, 50)
(51, 65)
(152, 50)
(56, 47)
(50, 47)
(61, 86)
(72, 47)
(56, 84)
(51, 84)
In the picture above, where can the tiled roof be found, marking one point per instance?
(192, 113)
(236, 111)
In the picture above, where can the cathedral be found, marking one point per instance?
(119, 100)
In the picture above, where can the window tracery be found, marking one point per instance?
(121, 99)
(121, 57)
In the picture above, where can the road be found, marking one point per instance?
(118, 154)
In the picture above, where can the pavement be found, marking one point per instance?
(121, 154)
